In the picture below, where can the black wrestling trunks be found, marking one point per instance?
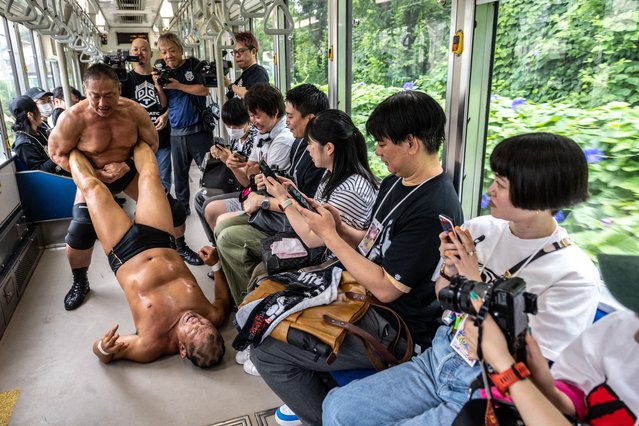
(119, 185)
(137, 239)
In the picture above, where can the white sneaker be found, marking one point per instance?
(286, 417)
(242, 356)
(249, 368)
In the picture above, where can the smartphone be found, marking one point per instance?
(297, 196)
(266, 170)
(241, 157)
(447, 224)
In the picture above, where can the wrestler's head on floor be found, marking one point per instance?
(199, 340)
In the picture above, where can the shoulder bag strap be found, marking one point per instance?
(552, 247)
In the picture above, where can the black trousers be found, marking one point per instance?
(184, 149)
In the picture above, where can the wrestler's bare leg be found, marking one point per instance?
(109, 220)
(153, 207)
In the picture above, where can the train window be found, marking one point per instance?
(309, 50)
(30, 58)
(8, 88)
(265, 54)
(570, 67)
(397, 46)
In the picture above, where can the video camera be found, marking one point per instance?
(207, 71)
(117, 60)
(164, 72)
(508, 303)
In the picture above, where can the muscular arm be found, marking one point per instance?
(65, 137)
(131, 347)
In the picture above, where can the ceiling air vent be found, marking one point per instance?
(128, 19)
(130, 4)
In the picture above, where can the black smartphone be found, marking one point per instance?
(241, 157)
(266, 170)
(447, 225)
(297, 196)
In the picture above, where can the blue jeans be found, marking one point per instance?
(430, 389)
(164, 164)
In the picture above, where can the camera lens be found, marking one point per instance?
(456, 296)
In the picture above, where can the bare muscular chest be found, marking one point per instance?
(109, 139)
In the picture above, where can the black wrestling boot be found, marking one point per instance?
(79, 289)
(187, 254)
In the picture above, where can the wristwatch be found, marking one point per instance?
(265, 203)
(505, 379)
(230, 87)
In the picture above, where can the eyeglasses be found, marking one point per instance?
(241, 50)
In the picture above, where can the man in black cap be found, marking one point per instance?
(42, 98)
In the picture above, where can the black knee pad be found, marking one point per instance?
(177, 211)
(81, 234)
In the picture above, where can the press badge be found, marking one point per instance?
(365, 246)
(460, 344)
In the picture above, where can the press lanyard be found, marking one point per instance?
(374, 230)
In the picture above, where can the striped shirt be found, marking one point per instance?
(354, 198)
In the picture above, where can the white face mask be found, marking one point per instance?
(45, 109)
(235, 133)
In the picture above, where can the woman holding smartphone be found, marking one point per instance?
(348, 185)
(535, 175)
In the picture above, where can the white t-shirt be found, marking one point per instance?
(565, 281)
(354, 198)
(605, 353)
(276, 151)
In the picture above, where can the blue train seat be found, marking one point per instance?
(44, 196)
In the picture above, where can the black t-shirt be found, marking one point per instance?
(303, 171)
(408, 246)
(251, 76)
(141, 89)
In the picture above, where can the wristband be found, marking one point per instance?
(285, 204)
(216, 267)
(102, 351)
(442, 271)
(506, 379)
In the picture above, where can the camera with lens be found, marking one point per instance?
(164, 72)
(208, 72)
(117, 60)
(507, 302)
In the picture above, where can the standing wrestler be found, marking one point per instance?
(170, 311)
(105, 128)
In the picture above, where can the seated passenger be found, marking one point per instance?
(31, 144)
(242, 137)
(265, 105)
(595, 377)
(43, 99)
(535, 174)
(59, 104)
(302, 104)
(397, 263)
(170, 312)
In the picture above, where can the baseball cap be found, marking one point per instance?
(618, 272)
(22, 104)
(36, 93)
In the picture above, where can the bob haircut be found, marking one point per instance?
(267, 98)
(408, 113)
(100, 71)
(248, 39)
(350, 156)
(307, 99)
(545, 171)
(171, 38)
(234, 112)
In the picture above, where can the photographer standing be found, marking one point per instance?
(142, 86)
(186, 97)
(245, 54)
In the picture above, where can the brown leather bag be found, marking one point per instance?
(330, 323)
